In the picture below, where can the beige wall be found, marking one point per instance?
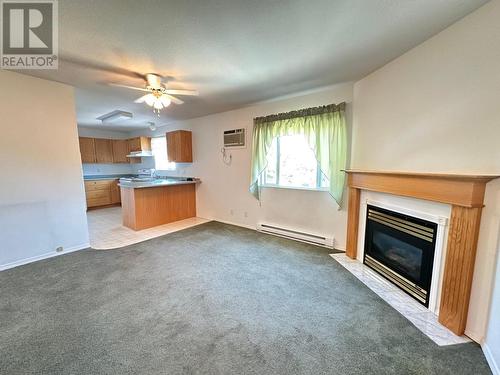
(437, 109)
(42, 201)
(223, 194)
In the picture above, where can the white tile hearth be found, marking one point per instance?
(419, 315)
(107, 232)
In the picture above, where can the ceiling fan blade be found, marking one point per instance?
(182, 92)
(89, 64)
(128, 87)
(174, 99)
(142, 99)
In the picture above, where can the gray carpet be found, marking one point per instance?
(212, 299)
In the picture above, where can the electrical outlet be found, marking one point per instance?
(231, 212)
(245, 214)
(59, 249)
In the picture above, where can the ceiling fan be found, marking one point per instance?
(158, 95)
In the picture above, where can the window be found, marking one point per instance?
(159, 149)
(291, 163)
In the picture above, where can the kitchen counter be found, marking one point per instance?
(148, 202)
(154, 183)
(105, 177)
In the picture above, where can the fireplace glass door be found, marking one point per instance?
(401, 248)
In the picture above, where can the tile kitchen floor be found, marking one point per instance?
(107, 232)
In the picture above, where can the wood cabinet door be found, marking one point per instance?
(87, 149)
(120, 150)
(115, 192)
(98, 195)
(134, 144)
(102, 192)
(145, 143)
(139, 144)
(103, 151)
(172, 146)
(179, 146)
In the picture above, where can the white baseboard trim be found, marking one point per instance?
(231, 223)
(52, 254)
(495, 369)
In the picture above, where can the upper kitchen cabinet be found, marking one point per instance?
(87, 150)
(179, 146)
(120, 150)
(106, 151)
(139, 144)
(103, 150)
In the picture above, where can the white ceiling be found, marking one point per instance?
(234, 52)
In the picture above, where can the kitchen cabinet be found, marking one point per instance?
(120, 150)
(179, 146)
(139, 144)
(103, 151)
(107, 151)
(87, 149)
(102, 193)
(115, 192)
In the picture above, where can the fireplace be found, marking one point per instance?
(465, 195)
(401, 249)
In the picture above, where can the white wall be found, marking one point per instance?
(492, 343)
(437, 109)
(42, 201)
(104, 169)
(225, 188)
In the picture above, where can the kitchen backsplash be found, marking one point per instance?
(181, 169)
(104, 169)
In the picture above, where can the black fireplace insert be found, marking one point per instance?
(401, 249)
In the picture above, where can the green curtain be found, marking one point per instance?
(324, 128)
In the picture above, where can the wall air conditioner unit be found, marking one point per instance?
(296, 235)
(234, 138)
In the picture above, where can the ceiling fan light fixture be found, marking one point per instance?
(158, 95)
(157, 104)
(150, 99)
(165, 100)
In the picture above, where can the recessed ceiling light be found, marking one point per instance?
(115, 116)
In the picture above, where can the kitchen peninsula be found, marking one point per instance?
(147, 203)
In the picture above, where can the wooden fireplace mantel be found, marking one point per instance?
(465, 193)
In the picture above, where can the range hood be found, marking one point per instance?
(140, 154)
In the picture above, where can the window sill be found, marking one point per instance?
(324, 190)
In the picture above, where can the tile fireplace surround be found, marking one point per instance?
(465, 194)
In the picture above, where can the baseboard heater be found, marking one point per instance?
(296, 235)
